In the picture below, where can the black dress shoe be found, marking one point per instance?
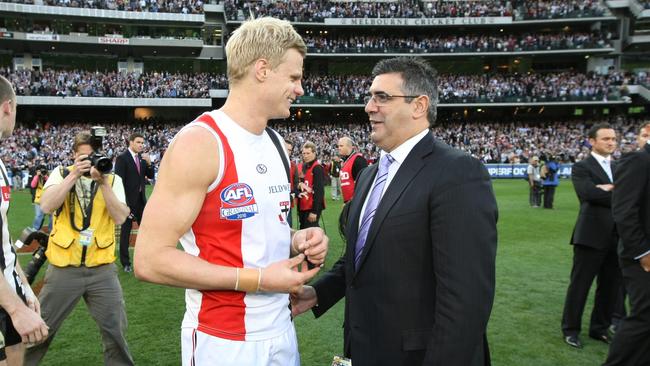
(128, 268)
(573, 341)
(605, 338)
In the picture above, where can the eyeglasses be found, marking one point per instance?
(383, 98)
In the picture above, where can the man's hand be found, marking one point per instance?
(303, 300)
(605, 187)
(313, 243)
(82, 165)
(312, 217)
(645, 262)
(146, 157)
(29, 325)
(32, 302)
(287, 276)
(96, 175)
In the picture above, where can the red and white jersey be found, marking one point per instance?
(8, 254)
(242, 223)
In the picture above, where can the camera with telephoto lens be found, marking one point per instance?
(38, 257)
(100, 161)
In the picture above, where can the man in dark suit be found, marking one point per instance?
(594, 241)
(419, 269)
(631, 210)
(133, 167)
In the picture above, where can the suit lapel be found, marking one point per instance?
(411, 166)
(595, 167)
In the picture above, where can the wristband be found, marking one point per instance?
(249, 279)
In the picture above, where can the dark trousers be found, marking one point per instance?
(589, 263)
(631, 343)
(125, 234)
(535, 195)
(549, 196)
(304, 223)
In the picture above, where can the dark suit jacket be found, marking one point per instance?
(595, 225)
(424, 289)
(134, 182)
(631, 203)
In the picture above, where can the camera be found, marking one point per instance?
(100, 161)
(38, 257)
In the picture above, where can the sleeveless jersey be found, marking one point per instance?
(8, 254)
(242, 223)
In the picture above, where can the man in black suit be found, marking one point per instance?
(419, 269)
(594, 241)
(631, 210)
(133, 167)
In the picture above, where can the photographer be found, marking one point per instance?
(86, 201)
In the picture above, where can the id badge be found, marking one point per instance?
(341, 361)
(86, 237)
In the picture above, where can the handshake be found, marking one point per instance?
(308, 246)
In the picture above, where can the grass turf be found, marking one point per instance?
(533, 265)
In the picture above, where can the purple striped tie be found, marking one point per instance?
(371, 206)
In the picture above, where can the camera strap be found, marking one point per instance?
(86, 212)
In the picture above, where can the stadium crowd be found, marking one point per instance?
(318, 10)
(492, 142)
(350, 89)
(541, 9)
(153, 6)
(79, 83)
(454, 43)
(332, 89)
(341, 89)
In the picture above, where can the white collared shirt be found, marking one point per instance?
(605, 163)
(399, 154)
(134, 155)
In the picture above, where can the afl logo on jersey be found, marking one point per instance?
(238, 202)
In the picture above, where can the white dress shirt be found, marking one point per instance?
(399, 154)
(605, 163)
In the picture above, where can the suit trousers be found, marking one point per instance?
(549, 196)
(101, 290)
(125, 233)
(632, 340)
(589, 263)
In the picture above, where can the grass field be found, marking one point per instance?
(533, 265)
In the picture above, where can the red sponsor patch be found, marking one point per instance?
(6, 193)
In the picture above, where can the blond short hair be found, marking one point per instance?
(310, 145)
(266, 38)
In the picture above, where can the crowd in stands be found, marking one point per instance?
(563, 86)
(491, 142)
(547, 9)
(78, 83)
(455, 43)
(333, 89)
(153, 6)
(318, 10)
